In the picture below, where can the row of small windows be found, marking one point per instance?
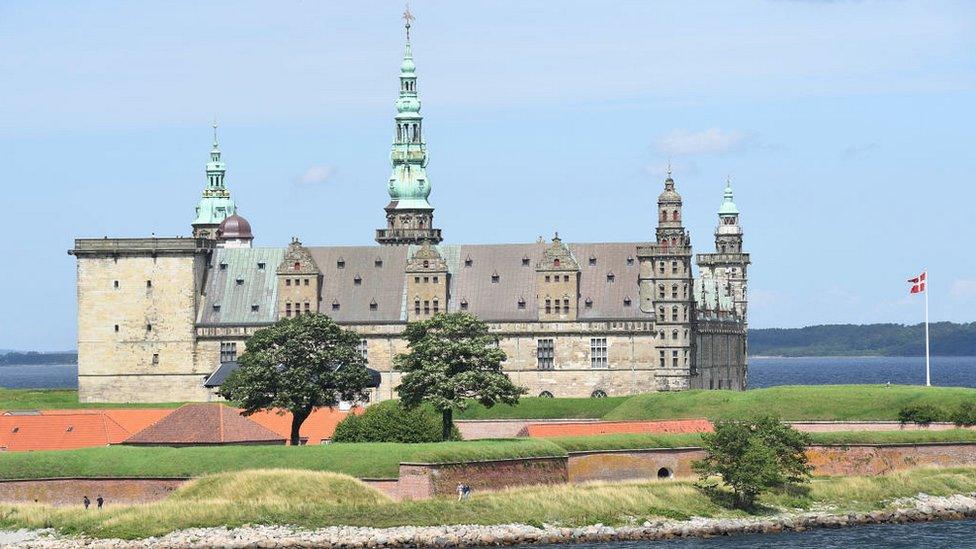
(297, 309)
(674, 313)
(599, 393)
(117, 285)
(526, 262)
(297, 281)
(426, 279)
(426, 306)
(675, 215)
(662, 358)
(408, 132)
(549, 306)
(228, 351)
(341, 263)
(661, 290)
(546, 352)
(674, 267)
(674, 334)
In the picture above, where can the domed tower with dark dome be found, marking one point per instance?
(234, 232)
(409, 216)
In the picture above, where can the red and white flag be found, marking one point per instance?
(918, 283)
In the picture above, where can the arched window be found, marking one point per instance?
(674, 334)
(598, 394)
(674, 215)
(545, 394)
(674, 313)
(723, 248)
(416, 306)
(298, 266)
(416, 133)
(555, 262)
(664, 215)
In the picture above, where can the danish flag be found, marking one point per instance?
(918, 284)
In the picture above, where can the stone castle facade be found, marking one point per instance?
(163, 319)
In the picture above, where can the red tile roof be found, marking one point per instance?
(58, 432)
(132, 420)
(543, 430)
(317, 428)
(200, 424)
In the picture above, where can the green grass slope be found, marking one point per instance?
(545, 408)
(794, 402)
(280, 486)
(59, 399)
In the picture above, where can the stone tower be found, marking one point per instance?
(409, 216)
(299, 282)
(557, 278)
(216, 204)
(666, 289)
(427, 283)
(727, 267)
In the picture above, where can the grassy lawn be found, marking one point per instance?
(366, 460)
(369, 460)
(316, 499)
(546, 408)
(59, 399)
(800, 402)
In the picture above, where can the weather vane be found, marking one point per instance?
(408, 17)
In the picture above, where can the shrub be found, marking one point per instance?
(921, 414)
(965, 415)
(754, 456)
(388, 421)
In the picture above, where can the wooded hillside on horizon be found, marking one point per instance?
(947, 339)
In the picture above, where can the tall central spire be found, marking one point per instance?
(409, 216)
(216, 203)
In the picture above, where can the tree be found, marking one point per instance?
(389, 421)
(298, 364)
(452, 358)
(754, 456)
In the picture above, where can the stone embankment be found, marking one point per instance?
(922, 508)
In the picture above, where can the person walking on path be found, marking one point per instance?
(460, 491)
(99, 501)
(86, 501)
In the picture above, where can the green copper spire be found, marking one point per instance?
(409, 187)
(728, 205)
(216, 204)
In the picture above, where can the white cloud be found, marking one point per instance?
(963, 289)
(316, 175)
(710, 141)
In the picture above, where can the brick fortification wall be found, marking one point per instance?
(70, 491)
(418, 480)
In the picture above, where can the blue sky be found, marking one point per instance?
(847, 128)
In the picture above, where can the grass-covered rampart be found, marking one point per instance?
(254, 498)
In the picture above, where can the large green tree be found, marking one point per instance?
(452, 359)
(298, 364)
(754, 456)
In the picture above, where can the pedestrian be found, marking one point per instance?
(460, 491)
(99, 501)
(86, 501)
(466, 491)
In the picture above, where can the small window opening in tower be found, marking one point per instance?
(297, 266)
(675, 215)
(555, 262)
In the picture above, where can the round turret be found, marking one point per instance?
(234, 232)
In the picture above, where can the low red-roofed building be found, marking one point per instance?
(132, 420)
(316, 429)
(203, 425)
(22, 433)
(590, 428)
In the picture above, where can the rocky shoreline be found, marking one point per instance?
(921, 508)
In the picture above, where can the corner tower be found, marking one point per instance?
(727, 267)
(216, 204)
(409, 216)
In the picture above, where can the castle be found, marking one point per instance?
(164, 319)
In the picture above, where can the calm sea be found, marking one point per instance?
(763, 372)
(930, 535)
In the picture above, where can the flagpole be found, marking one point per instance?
(928, 377)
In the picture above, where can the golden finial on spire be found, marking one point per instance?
(407, 18)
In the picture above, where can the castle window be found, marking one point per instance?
(566, 306)
(521, 303)
(592, 260)
(426, 279)
(426, 307)
(565, 278)
(674, 358)
(297, 266)
(662, 359)
(307, 309)
(261, 265)
(674, 314)
(254, 308)
(416, 306)
(468, 262)
(660, 267)
(686, 312)
(148, 327)
(358, 281)
(363, 348)
(288, 308)
(298, 282)
(116, 285)
(627, 301)
(674, 291)
(416, 280)
(464, 304)
(228, 351)
(660, 291)
(675, 215)
(340, 263)
(525, 261)
(547, 278)
(598, 352)
(598, 394)
(674, 334)
(373, 305)
(378, 263)
(239, 281)
(674, 266)
(660, 335)
(660, 312)
(723, 248)
(495, 278)
(335, 305)
(222, 266)
(426, 264)
(630, 260)
(548, 306)
(155, 362)
(437, 306)
(685, 290)
(436, 279)
(149, 284)
(610, 278)
(544, 352)
(555, 262)
(287, 282)
(306, 281)
(116, 328)
(588, 303)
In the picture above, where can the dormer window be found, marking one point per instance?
(630, 260)
(464, 304)
(521, 303)
(495, 278)
(216, 306)
(588, 303)
(592, 260)
(341, 263)
(525, 261)
(377, 263)
(261, 265)
(610, 277)
(358, 280)
(627, 301)
(335, 305)
(222, 266)
(468, 262)
(254, 308)
(373, 305)
(239, 281)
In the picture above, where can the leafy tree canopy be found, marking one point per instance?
(389, 421)
(754, 456)
(298, 364)
(452, 359)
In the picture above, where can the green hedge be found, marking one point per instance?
(387, 421)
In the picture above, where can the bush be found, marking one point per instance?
(921, 414)
(388, 421)
(752, 457)
(965, 415)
